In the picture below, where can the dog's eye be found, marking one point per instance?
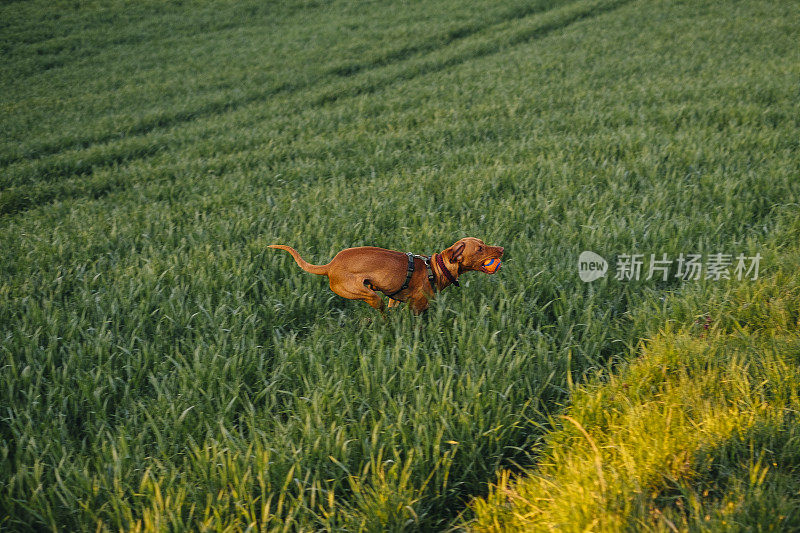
(480, 248)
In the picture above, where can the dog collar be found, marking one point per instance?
(444, 270)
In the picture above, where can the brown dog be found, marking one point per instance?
(357, 273)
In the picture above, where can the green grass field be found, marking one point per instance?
(163, 370)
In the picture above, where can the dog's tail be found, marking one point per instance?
(322, 270)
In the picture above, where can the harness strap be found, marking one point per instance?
(410, 272)
(408, 275)
(431, 278)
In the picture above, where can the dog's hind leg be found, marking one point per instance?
(356, 289)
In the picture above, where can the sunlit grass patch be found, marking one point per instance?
(699, 432)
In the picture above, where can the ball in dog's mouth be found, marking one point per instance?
(492, 265)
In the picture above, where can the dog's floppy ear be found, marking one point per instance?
(456, 252)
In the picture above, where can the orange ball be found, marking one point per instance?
(492, 265)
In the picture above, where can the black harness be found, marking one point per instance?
(410, 272)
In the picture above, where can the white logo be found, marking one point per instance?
(591, 266)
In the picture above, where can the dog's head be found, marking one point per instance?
(470, 253)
